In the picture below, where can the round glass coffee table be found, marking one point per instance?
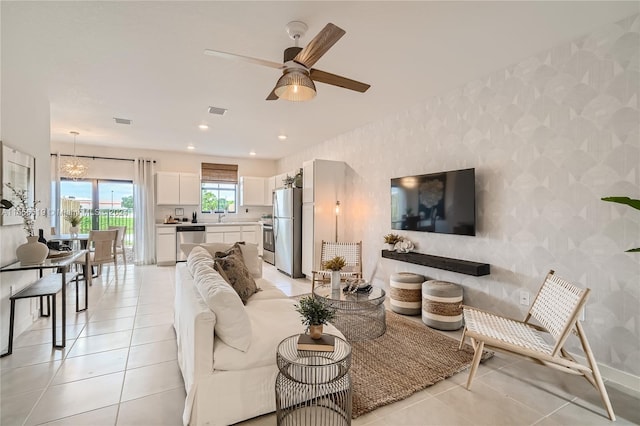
(359, 316)
(313, 388)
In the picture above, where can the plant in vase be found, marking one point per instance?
(32, 251)
(335, 265)
(392, 240)
(315, 313)
(74, 220)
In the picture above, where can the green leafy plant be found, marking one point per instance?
(335, 264)
(73, 218)
(629, 202)
(392, 238)
(314, 311)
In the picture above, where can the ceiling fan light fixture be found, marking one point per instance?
(295, 85)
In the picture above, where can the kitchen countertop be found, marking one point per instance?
(173, 225)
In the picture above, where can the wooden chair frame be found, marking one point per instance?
(557, 308)
(352, 253)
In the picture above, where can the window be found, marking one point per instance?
(218, 197)
(219, 188)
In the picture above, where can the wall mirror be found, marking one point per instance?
(18, 168)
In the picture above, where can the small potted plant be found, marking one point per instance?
(335, 265)
(315, 313)
(392, 240)
(74, 220)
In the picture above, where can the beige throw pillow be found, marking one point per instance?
(232, 326)
(234, 271)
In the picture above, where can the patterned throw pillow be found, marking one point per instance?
(234, 249)
(234, 272)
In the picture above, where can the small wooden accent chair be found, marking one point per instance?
(352, 253)
(122, 231)
(103, 249)
(556, 308)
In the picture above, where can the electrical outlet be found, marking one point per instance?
(524, 298)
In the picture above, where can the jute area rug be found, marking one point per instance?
(407, 358)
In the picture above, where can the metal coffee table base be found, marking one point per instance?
(361, 324)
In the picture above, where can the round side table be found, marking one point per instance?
(313, 387)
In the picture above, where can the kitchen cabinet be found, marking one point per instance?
(232, 233)
(165, 246)
(173, 188)
(279, 179)
(269, 187)
(323, 185)
(252, 191)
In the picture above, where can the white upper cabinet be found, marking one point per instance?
(189, 189)
(252, 191)
(174, 188)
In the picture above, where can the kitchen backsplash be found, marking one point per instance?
(245, 214)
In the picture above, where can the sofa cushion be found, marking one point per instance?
(232, 322)
(249, 253)
(271, 322)
(233, 270)
(267, 291)
(198, 256)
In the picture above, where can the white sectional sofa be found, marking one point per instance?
(227, 384)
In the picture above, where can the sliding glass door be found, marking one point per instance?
(101, 203)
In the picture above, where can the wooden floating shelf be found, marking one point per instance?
(448, 264)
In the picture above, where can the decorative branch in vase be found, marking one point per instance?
(32, 251)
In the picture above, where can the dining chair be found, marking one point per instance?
(555, 312)
(122, 231)
(352, 254)
(102, 246)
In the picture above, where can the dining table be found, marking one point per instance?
(60, 262)
(82, 239)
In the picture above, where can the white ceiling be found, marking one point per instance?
(144, 61)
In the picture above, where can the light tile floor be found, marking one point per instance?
(120, 368)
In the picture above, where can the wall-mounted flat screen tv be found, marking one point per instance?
(438, 202)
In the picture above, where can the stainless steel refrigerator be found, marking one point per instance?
(287, 230)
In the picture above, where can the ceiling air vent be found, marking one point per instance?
(122, 120)
(217, 111)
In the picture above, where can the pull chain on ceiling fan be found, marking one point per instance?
(297, 81)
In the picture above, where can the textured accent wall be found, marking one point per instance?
(548, 137)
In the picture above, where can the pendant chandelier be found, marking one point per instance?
(74, 168)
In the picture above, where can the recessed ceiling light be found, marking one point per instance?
(191, 147)
(203, 126)
(252, 153)
(282, 137)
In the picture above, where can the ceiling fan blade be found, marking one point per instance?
(336, 80)
(272, 96)
(317, 47)
(249, 59)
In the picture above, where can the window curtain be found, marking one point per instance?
(144, 212)
(56, 215)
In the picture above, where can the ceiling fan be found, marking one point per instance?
(296, 83)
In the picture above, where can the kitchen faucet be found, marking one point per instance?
(220, 216)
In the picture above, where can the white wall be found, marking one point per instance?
(168, 162)
(24, 125)
(548, 138)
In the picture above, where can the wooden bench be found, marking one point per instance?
(45, 287)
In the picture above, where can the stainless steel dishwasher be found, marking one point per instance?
(188, 234)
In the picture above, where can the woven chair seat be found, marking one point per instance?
(505, 330)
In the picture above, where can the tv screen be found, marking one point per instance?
(438, 202)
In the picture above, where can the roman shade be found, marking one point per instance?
(220, 173)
